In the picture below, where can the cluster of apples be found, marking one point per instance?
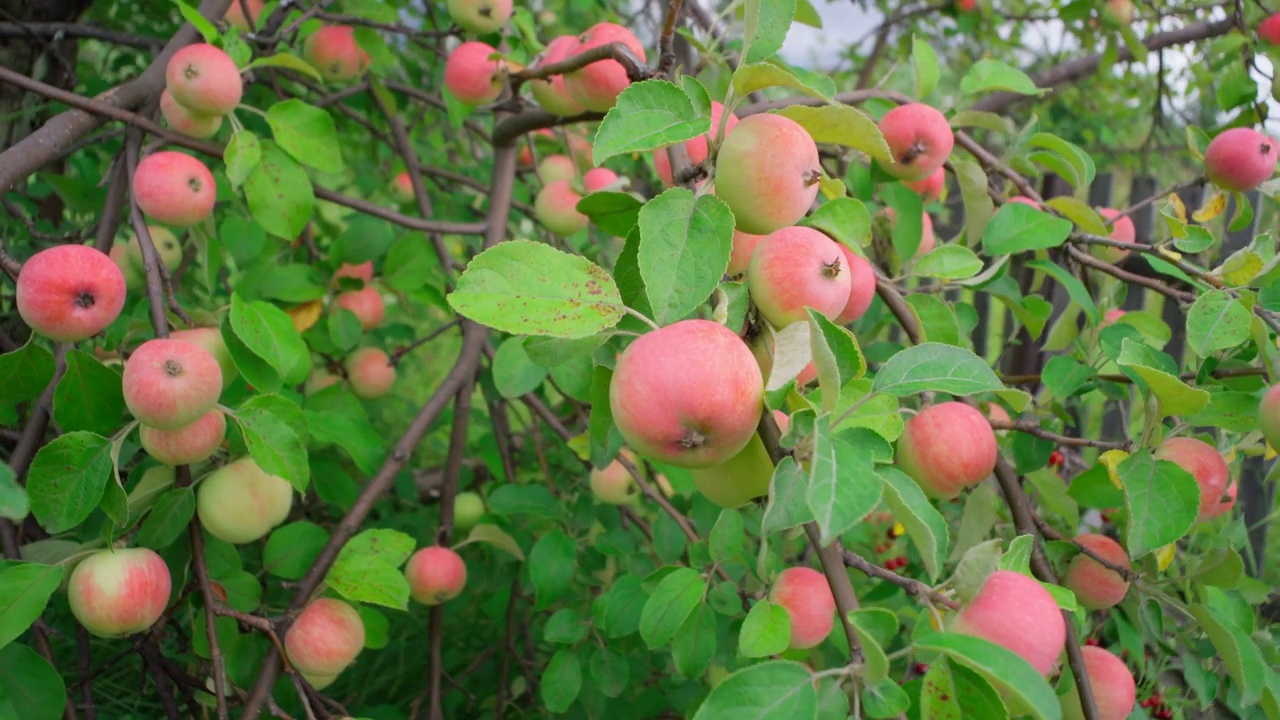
(369, 371)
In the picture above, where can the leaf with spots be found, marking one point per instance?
(279, 193)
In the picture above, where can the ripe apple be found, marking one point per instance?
(597, 179)
(401, 189)
(1095, 586)
(613, 485)
(862, 287)
(235, 14)
(1122, 230)
(1114, 690)
(797, 268)
(366, 303)
(1205, 463)
(741, 479)
(435, 574)
(119, 592)
(919, 138)
(363, 272)
(1268, 415)
(556, 207)
(170, 383)
(174, 189)
(551, 93)
(210, 338)
(946, 448)
(688, 394)
(324, 639)
(930, 188)
(481, 17)
(697, 147)
(767, 172)
(1018, 614)
(204, 79)
(68, 293)
(370, 373)
(556, 167)
(188, 444)
(240, 503)
(580, 150)
(334, 53)
(474, 73)
(597, 86)
(807, 597)
(1110, 317)
(166, 244)
(468, 508)
(744, 244)
(187, 122)
(1269, 29)
(1240, 159)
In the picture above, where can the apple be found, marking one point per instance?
(366, 303)
(1112, 685)
(370, 373)
(744, 244)
(204, 80)
(468, 508)
(174, 189)
(134, 280)
(334, 53)
(740, 479)
(119, 592)
(170, 383)
(210, 338)
(688, 394)
(1269, 29)
(613, 485)
(767, 172)
(166, 244)
(1018, 614)
(1024, 200)
(697, 147)
(597, 179)
(188, 444)
(187, 122)
(551, 93)
(919, 138)
(556, 167)
(862, 287)
(1116, 13)
(556, 208)
(363, 272)
(401, 190)
(1122, 230)
(597, 86)
(481, 17)
(1268, 415)
(930, 188)
(946, 448)
(1240, 159)
(474, 73)
(1110, 317)
(1205, 463)
(235, 14)
(797, 268)
(69, 293)
(1095, 586)
(807, 598)
(435, 574)
(324, 640)
(240, 503)
(580, 150)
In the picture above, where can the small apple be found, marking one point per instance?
(435, 574)
(240, 503)
(188, 444)
(119, 592)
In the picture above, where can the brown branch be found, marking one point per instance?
(635, 67)
(666, 52)
(77, 30)
(398, 354)
(150, 258)
(919, 590)
(1030, 428)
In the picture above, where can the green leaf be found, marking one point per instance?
(1176, 397)
(510, 500)
(13, 497)
(514, 373)
(695, 643)
(291, 549)
(1080, 213)
(25, 589)
(649, 115)
(561, 681)
(274, 445)
(1228, 410)
(525, 287)
(786, 507)
(842, 487)
(615, 213)
(27, 372)
(841, 125)
(1017, 227)
(1075, 289)
(495, 536)
(88, 396)
(279, 193)
(671, 603)
(949, 262)
(874, 627)
(307, 133)
(988, 75)
(1077, 157)
(618, 611)
(750, 77)
(1216, 322)
(767, 22)
(198, 21)
(685, 242)
(1162, 501)
(67, 479)
(354, 434)
(610, 669)
(925, 62)
(926, 528)
(953, 692)
(1239, 653)
(727, 537)
(936, 367)
(269, 333)
(885, 699)
(977, 202)
(765, 631)
(1025, 690)
(242, 155)
(844, 219)
(365, 239)
(30, 689)
(288, 62)
(389, 546)
(552, 563)
(776, 690)
(938, 322)
(836, 356)
(365, 579)
(168, 519)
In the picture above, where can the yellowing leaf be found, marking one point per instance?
(1212, 208)
(1171, 254)
(1271, 452)
(581, 446)
(1164, 556)
(1179, 209)
(305, 315)
(1112, 459)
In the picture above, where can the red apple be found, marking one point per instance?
(171, 383)
(797, 268)
(551, 93)
(767, 172)
(187, 444)
(1114, 690)
(1017, 613)
(597, 86)
(119, 592)
(1205, 463)
(919, 138)
(324, 640)
(174, 189)
(69, 293)
(334, 53)
(435, 574)
(1240, 159)
(370, 373)
(946, 448)
(1095, 586)
(807, 598)
(204, 80)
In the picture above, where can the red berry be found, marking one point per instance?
(921, 668)
(1056, 458)
(1091, 641)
